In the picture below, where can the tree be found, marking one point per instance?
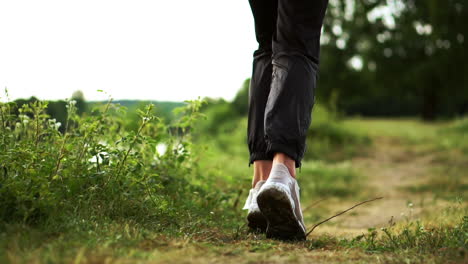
(241, 101)
(395, 57)
(81, 106)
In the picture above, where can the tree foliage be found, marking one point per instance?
(393, 57)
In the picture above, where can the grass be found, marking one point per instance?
(326, 180)
(446, 182)
(330, 139)
(199, 190)
(449, 147)
(413, 242)
(404, 128)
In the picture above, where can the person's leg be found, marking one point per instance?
(262, 170)
(288, 113)
(264, 12)
(295, 61)
(287, 161)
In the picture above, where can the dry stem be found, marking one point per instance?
(328, 219)
(314, 204)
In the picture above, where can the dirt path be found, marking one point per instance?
(390, 166)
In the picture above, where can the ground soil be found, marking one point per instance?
(389, 167)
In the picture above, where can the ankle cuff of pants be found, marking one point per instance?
(275, 147)
(259, 156)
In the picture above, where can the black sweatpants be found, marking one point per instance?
(281, 94)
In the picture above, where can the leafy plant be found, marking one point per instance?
(96, 167)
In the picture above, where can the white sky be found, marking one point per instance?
(139, 49)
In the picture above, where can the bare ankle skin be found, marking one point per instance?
(262, 170)
(287, 161)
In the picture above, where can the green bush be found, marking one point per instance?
(96, 168)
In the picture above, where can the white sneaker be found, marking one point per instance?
(278, 200)
(256, 220)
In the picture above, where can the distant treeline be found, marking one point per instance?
(58, 109)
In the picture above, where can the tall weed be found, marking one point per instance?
(96, 168)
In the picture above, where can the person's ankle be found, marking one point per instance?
(281, 158)
(262, 170)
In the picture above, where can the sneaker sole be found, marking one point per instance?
(257, 222)
(282, 223)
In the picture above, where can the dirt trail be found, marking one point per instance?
(391, 166)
